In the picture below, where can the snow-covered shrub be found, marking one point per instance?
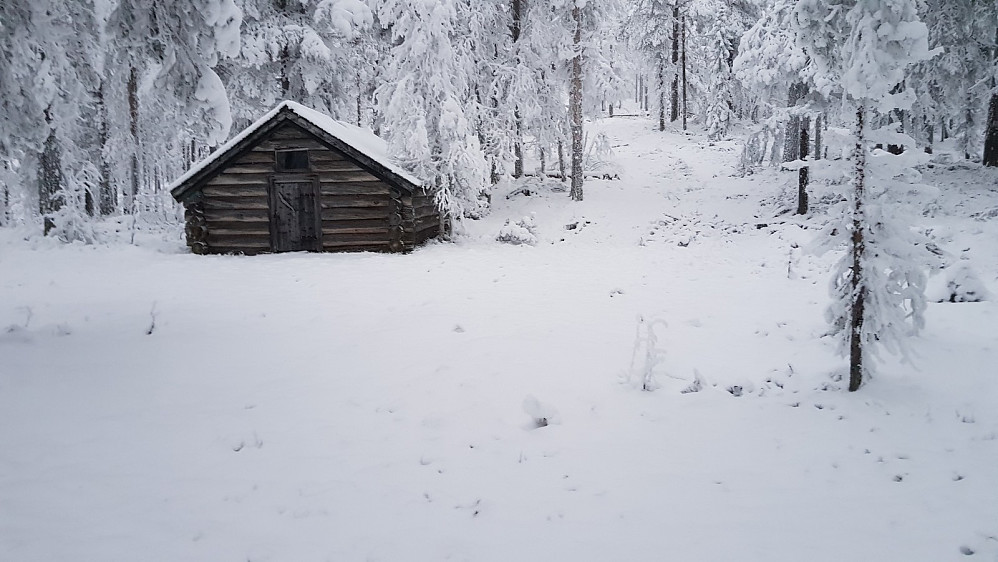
(599, 157)
(542, 414)
(520, 232)
(963, 285)
(647, 355)
(71, 221)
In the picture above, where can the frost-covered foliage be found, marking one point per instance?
(953, 88)
(428, 103)
(523, 231)
(895, 258)
(863, 49)
(963, 284)
(718, 107)
(308, 52)
(769, 59)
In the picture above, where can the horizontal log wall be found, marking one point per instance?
(356, 206)
(358, 211)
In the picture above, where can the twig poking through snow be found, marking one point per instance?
(152, 324)
(653, 354)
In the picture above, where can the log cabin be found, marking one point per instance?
(298, 180)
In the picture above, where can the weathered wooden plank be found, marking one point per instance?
(236, 203)
(335, 166)
(336, 231)
(249, 168)
(336, 201)
(355, 247)
(249, 251)
(256, 190)
(285, 144)
(247, 231)
(290, 132)
(253, 227)
(229, 241)
(341, 177)
(367, 237)
(381, 222)
(255, 158)
(355, 188)
(236, 215)
(356, 213)
(240, 179)
(326, 157)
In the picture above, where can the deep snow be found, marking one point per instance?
(161, 406)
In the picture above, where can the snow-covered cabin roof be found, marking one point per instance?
(358, 143)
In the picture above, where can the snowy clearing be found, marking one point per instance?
(482, 401)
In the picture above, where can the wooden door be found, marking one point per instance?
(294, 214)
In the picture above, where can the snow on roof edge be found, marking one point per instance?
(363, 140)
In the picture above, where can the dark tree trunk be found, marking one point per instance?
(661, 92)
(991, 136)
(817, 137)
(575, 108)
(49, 177)
(791, 145)
(991, 127)
(133, 118)
(561, 161)
(674, 116)
(803, 172)
(683, 57)
(105, 197)
(515, 30)
(858, 290)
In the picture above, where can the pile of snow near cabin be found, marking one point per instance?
(644, 375)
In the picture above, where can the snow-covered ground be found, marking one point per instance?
(161, 406)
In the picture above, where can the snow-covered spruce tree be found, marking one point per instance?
(717, 53)
(160, 79)
(49, 57)
(772, 66)
(589, 65)
(863, 48)
(544, 87)
(713, 34)
(427, 103)
(651, 29)
(298, 50)
(955, 90)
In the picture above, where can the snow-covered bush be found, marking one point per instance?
(963, 285)
(520, 232)
(647, 356)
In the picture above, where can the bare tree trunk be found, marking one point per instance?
(575, 107)
(817, 137)
(543, 163)
(674, 116)
(683, 39)
(515, 30)
(791, 145)
(803, 172)
(991, 137)
(991, 134)
(661, 92)
(561, 161)
(133, 117)
(105, 196)
(49, 177)
(856, 280)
